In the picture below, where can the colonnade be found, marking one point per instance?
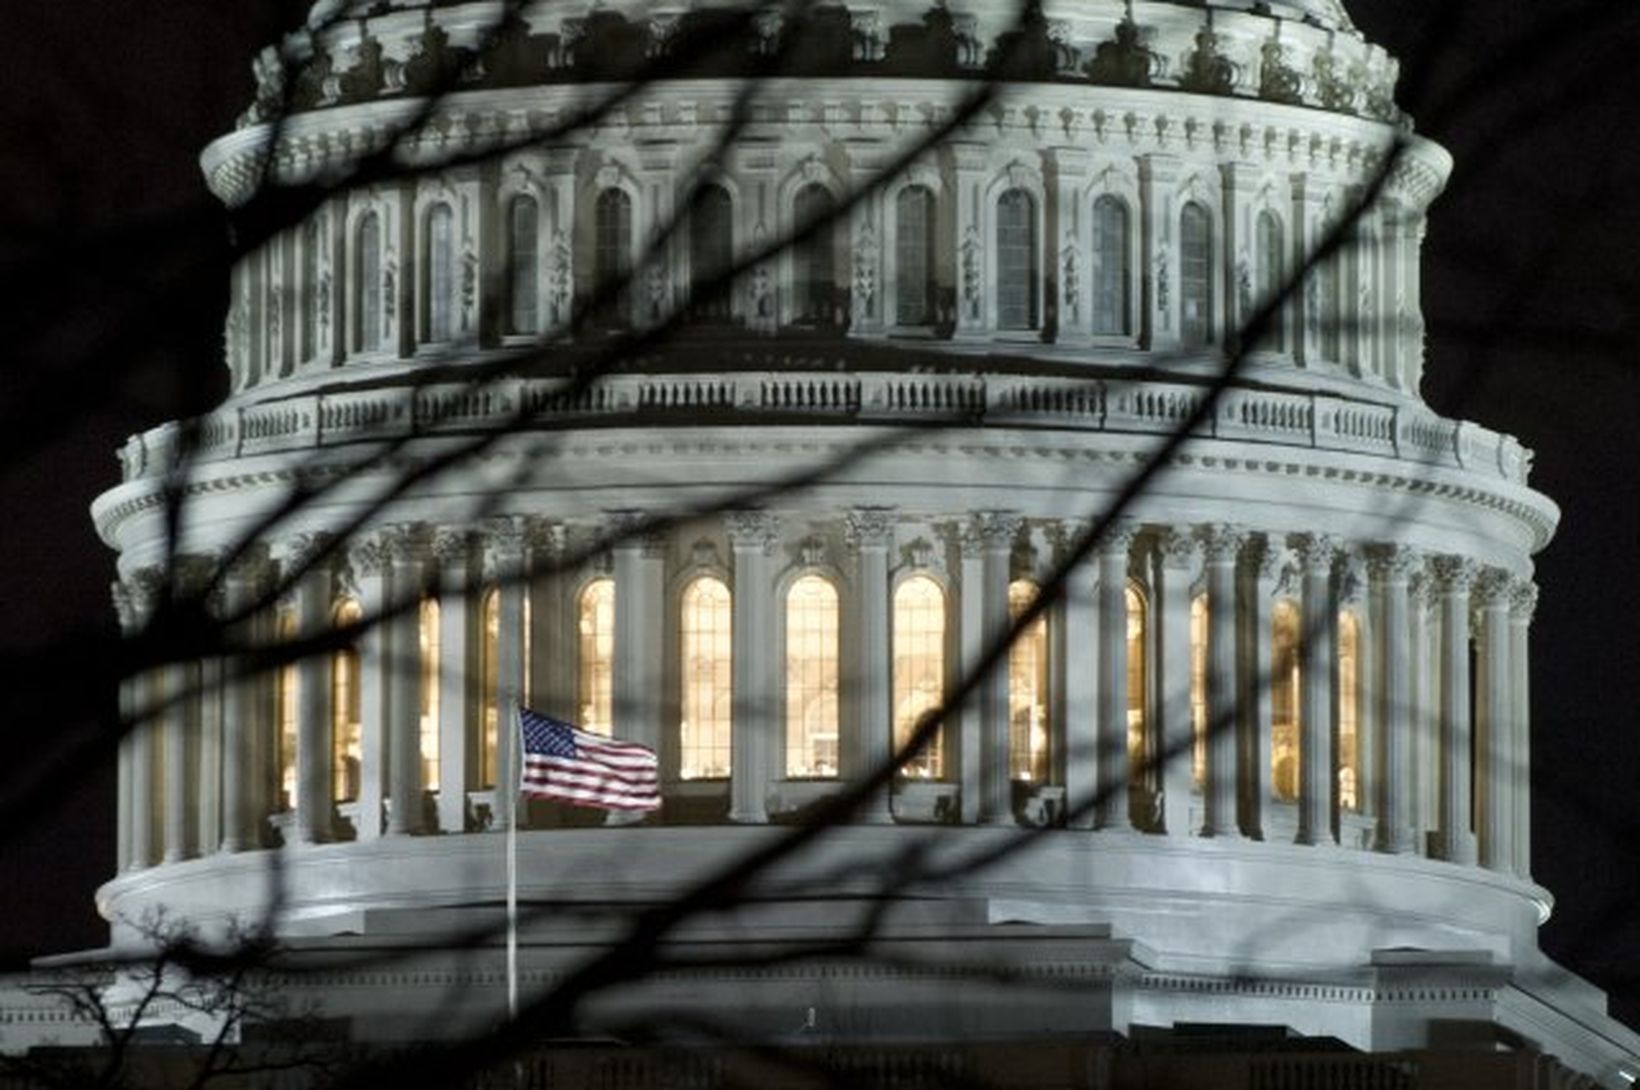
(1409, 681)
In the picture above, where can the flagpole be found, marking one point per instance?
(512, 866)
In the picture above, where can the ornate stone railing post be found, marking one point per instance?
(997, 531)
(1078, 698)
(870, 533)
(1112, 681)
(306, 566)
(1221, 546)
(1260, 568)
(1454, 575)
(406, 547)
(1392, 570)
(753, 536)
(369, 559)
(504, 542)
(1523, 605)
(639, 570)
(1175, 561)
(1494, 774)
(1318, 636)
(245, 734)
(453, 552)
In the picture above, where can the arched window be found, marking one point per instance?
(814, 258)
(707, 677)
(489, 673)
(595, 679)
(612, 253)
(919, 669)
(346, 735)
(1198, 690)
(1272, 275)
(284, 717)
(811, 678)
(1195, 275)
(1349, 693)
(1027, 689)
(523, 286)
(1284, 690)
(1016, 261)
(914, 291)
(1140, 771)
(367, 290)
(428, 640)
(711, 253)
(439, 299)
(1112, 267)
(310, 290)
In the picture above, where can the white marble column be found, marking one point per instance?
(639, 559)
(1175, 560)
(136, 761)
(1523, 605)
(176, 724)
(1426, 733)
(1110, 636)
(457, 639)
(1392, 570)
(368, 560)
(552, 661)
(997, 530)
(1454, 576)
(310, 571)
(1494, 756)
(971, 647)
(243, 728)
(1221, 546)
(407, 546)
(753, 536)
(1260, 567)
(504, 539)
(1080, 679)
(1317, 554)
(870, 533)
(125, 768)
(1306, 231)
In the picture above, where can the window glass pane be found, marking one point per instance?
(1195, 275)
(1027, 690)
(813, 259)
(1198, 690)
(1349, 753)
(914, 256)
(1284, 690)
(346, 729)
(523, 236)
(1110, 266)
(919, 669)
(368, 290)
(707, 676)
(1016, 260)
(428, 636)
(595, 687)
(711, 252)
(440, 273)
(811, 678)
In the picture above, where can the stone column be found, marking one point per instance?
(406, 546)
(1175, 558)
(305, 566)
(1110, 637)
(1426, 749)
(1221, 545)
(997, 530)
(1069, 236)
(1317, 554)
(1454, 576)
(1260, 567)
(452, 549)
(639, 559)
(753, 536)
(1307, 309)
(552, 661)
(1159, 285)
(129, 701)
(1237, 247)
(870, 533)
(971, 647)
(1392, 570)
(178, 696)
(138, 745)
(1077, 699)
(1494, 773)
(1523, 604)
(369, 560)
(244, 804)
(504, 543)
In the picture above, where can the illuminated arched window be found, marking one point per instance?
(1138, 691)
(1016, 261)
(523, 241)
(1284, 690)
(428, 639)
(1195, 275)
(1349, 750)
(346, 737)
(439, 297)
(707, 679)
(367, 288)
(612, 251)
(811, 678)
(919, 669)
(914, 256)
(309, 299)
(814, 258)
(711, 252)
(1198, 690)
(595, 679)
(284, 717)
(1271, 275)
(1027, 690)
(1111, 266)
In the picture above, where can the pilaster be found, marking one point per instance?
(753, 536)
(1454, 575)
(870, 533)
(453, 555)
(1174, 563)
(1221, 546)
(1393, 567)
(1317, 555)
(307, 563)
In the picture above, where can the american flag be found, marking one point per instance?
(571, 765)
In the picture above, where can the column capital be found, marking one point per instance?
(1394, 563)
(869, 527)
(249, 565)
(995, 531)
(1523, 599)
(630, 529)
(1118, 537)
(369, 554)
(1262, 557)
(1453, 574)
(752, 530)
(1421, 588)
(1316, 552)
(302, 551)
(1492, 589)
(1175, 548)
(406, 542)
(505, 536)
(1221, 541)
(544, 537)
(126, 606)
(451, 545)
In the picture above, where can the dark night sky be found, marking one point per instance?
(113, 259)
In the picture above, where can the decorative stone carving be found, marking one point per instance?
(1523, 599)
(972, 288)
(1176, 548)
(1278, 81)
(1122, 61)
(1221, 541)
(1070, 267)
(1207, 70)
(865, 270)
(1395, 563)
(1453, 574)
(997, 529)
(1316, 552)
(920, 553)
(1493, 587)
(752, 530)
(870, 527)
